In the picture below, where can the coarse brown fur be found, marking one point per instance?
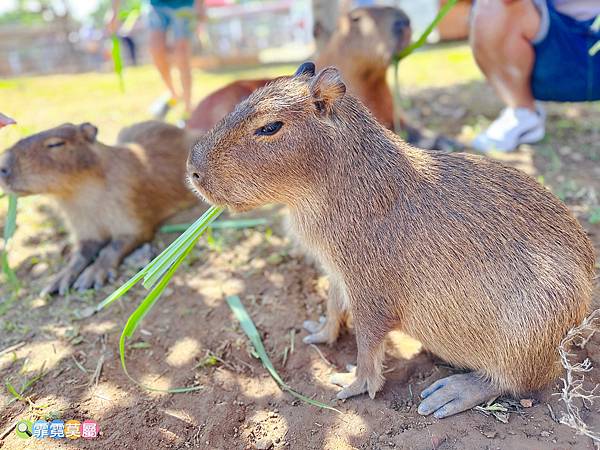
(113, 198)
(362, 47)
(476, 260)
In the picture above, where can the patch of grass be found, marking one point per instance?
(19, 394)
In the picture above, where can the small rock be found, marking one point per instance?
(526, 402)
(263, 444)
(272, 415)
(490, 434)
(86, 312)
(38, 270)
(564, 151)
(545, 434)
(577, 157)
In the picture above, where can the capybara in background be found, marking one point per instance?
(362, 47)
(476, 260)
(113, 198)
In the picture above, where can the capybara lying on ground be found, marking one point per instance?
(113, 198)
(476, 260)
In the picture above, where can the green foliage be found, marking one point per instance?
(9, 230)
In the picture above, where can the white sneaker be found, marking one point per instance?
(513, 127)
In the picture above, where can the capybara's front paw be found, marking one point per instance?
(94, 277)
(354, 384)
(455, 394)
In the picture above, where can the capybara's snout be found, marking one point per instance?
(6, 169)
(197, 167)
(401, 25)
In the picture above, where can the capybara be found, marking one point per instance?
(362, 47)
(476, 260)
(113, 198)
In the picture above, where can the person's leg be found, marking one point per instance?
(160, 57)
(159, 23)
(501, 38)
(182, 31)
(183, 54)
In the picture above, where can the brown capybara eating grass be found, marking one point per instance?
(476, 260)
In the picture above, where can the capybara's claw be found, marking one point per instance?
(314, 327)
(92, 277)
(317, 338)
(455, 394)
(60, 284)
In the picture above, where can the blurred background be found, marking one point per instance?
(58, 36)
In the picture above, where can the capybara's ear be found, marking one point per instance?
(307, 68)
(88, 131)
(326, 89)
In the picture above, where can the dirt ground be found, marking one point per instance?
(191, 337)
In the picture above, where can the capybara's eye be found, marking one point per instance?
(54, 143)
(269, 130)
(355, 18)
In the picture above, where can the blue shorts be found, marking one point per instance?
(564, 70)
(162, 18)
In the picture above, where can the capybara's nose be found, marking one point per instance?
(195, 172)
(5, 172)
(400, 25)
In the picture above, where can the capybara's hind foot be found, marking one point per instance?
(455, 394)
(353, 384)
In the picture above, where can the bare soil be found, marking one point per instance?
(191, 337)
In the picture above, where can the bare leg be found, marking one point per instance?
(327, 331)
(368, 374)
(501, 35)
(183, 53)
(455, 394)
(107, 262)
(160, 56)
(83, 254)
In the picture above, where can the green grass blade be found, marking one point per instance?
(249, 328)
(217, 225)
(117, 61)
(11, 218)
(121, 291)
(11, 389)
(10, 227)
(161, 264)
(419, 42)
(137, 316)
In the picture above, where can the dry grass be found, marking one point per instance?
(574, 394)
